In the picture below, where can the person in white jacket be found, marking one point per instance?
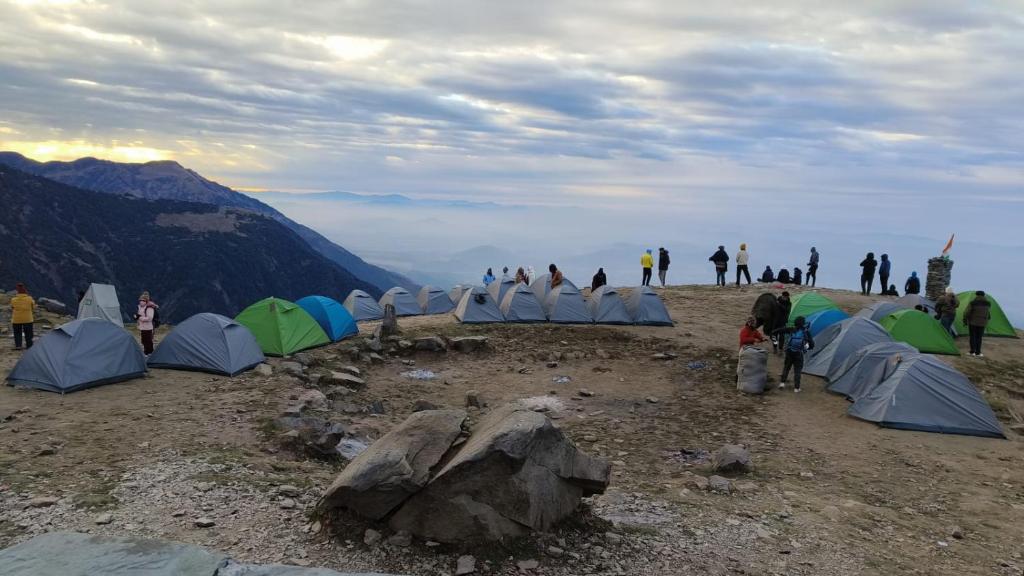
(742, 259)
(145, 318)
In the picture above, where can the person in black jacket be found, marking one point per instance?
(663, 262)
(721, 260)
(867, 274)
(767, 275)
(785, 307)
(784, 277)
(812, 267)
(913, 285)
(599, 280)
(884, 269)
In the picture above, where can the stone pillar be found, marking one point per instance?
(940, 272)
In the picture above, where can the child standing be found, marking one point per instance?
(798, 342)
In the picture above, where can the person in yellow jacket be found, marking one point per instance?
(22, 317)
(647, 262)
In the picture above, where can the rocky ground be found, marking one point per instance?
(208, 460)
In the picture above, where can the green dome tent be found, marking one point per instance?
(920, 331)
(998, 325)
(282, 327)
(809, 303)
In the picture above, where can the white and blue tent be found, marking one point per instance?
(208, 343)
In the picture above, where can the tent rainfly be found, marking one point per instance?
(100, 301)
(477, 307)
(282, 327)
(565, 305)
(837, 342)
(926, 394)
(433, 300)
(647, 309)
(868, 367)
(607, 307)
(521, 305)
(920, 331)
(405, 303)
(912, 301)
(208, 343)
(999, 325)
(808, 303)
(824, 318)
(362, 306)
(879, 310)
(500, 287)
(456, 293)
(541, 286)
(335, 320)
(78, 355)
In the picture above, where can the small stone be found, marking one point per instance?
(719, 484)
(43, 501)
(603, 355)
(528, 565)
(345, 379)
(465, 565)
(47, 451)
(612, 538)
(303, 358)
(957, 533)
(376, 407)
(555, 552)
(431, 344)
(663, 356)
(204, 523)
(204, 486)
(652, 399)
(832, 513)
(402, 539)
(292, 368)
(552, 364)
(698, 482)
(585, 393)
(287, 504)
(421, 405)
(807, 474)
(178, 513)
(371, 537)
(763, 533)
(745, 487)
(590, 438)
(265, 369)
(103, 519)
(469, 343)
(289, 490)
(731, 458)
(351, 370)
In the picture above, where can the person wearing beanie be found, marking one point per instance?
(146, 317)
(976, 317)
(742, 259)
(946, 308)
(22, 316)
(721, 261)
(647, 264)
(913, 285)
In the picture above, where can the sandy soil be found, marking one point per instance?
(828, 495)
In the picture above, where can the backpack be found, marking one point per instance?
(797, 340)
(156, 318)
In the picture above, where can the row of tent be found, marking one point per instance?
(879, 359)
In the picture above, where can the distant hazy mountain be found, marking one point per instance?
(380, 199)
(192, 257)
(171, 181)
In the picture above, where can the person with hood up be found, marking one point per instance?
(976, 317)
(145, 316)
(798, 276)
(742, 259)
(812, 268)
(599, 280)
(867, 274)
(488, 277)
(883, 272)
(521, 276)
(798, 343)
(768, 275)
(946, 308)
(663, 262)
(647, 263)
(749, 334)
(504, 271)
(784, 277)
(721, 260)
(556, 276)
(785, 307)
(22, 316)
(913, 284)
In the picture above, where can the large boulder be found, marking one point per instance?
(397, 466)
(516, 472)
(731, 458)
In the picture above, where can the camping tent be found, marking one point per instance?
(999, 325)
(208, 343)
(500, 287)
(456, 292)
(808, 303)
(477, 307)
(646, 308)
(824, 318)
(336, 321)
(541, 286)
(868, 367)
(926, 394)
(433, 300)
(80, 354)
(565, 305)
(837, 342)
(607, 307)
(282, 327)
(920, 331)
(405, 303)
(880, 310)
(362, 306)
(521, 305)
(911, 301)
(100, 301)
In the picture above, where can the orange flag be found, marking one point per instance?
(949, 245)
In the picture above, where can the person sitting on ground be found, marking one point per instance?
(913, 285)
(946, 309)
(22, 316)
(520, 275)
(799, 340)
(749, 334)
(768, 275)
(556, 276)
(798, 276)
(488, 277)
(890, 291)
(783, 277)
(599, 280)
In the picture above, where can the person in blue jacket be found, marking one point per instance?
(884, 268)
(488, 277)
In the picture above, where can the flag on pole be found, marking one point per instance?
(949, 245)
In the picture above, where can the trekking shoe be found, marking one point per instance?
(980, 355)
(782, 385)
(796, 390)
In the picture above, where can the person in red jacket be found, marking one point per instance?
(749, 334)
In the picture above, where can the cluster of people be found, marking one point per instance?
(721, 261)
(527, 275)
(647, 266)
(869, 266)
(772, 314)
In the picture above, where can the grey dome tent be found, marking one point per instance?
(565, 305)
(647, 309)
(404, 302)
(927, 394)
(456, 292)
(868, 367)
(521, 305)
(913, 300)
(208, 343)
(500, 287)
(100, 301)
(477, 307)
(880, 310)
(541, 286)
(835, 344)
(607, 307)
(433, 300)
(362, 306)
(78, 355)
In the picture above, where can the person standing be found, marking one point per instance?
(976, 317)
(663, 262)
(531, 275)
(913, 284)
(647, 263)
(145, 316)
(785, 307)
(488, 277)
(799, 341)
(22, 316)
(946, 308)
(599, 280)
(812, 268)
(721, 260)
(883, 273)
(521, 276)
(867, 274)
(742, 259)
